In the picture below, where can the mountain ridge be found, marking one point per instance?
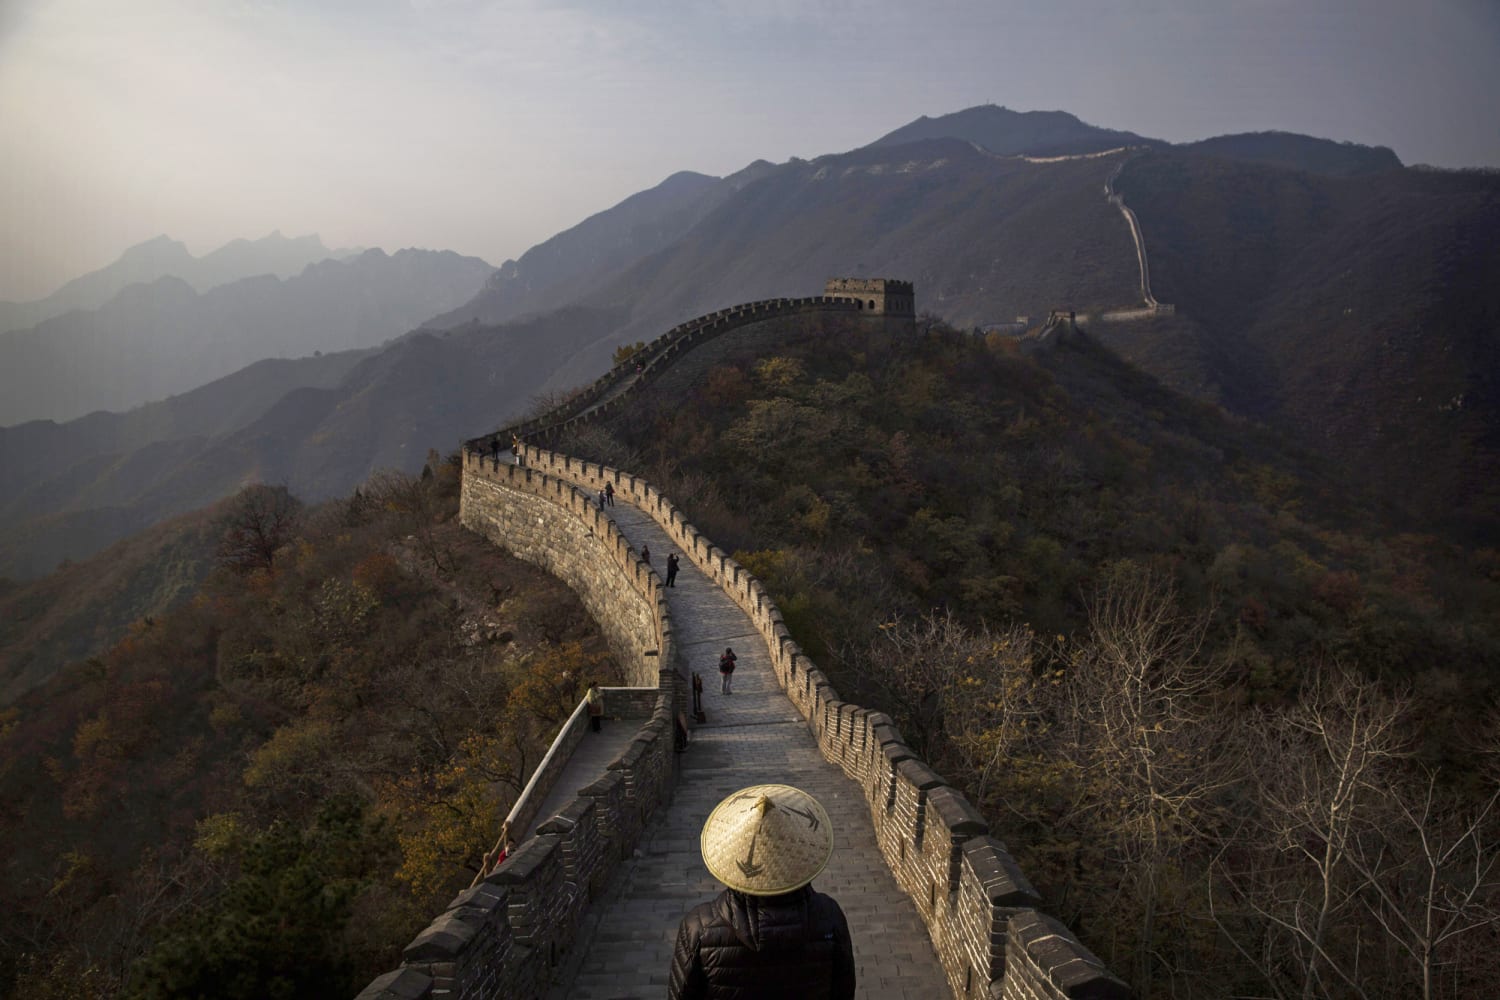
(154, 340)
(161, 256)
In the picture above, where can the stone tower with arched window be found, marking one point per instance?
(879, 296)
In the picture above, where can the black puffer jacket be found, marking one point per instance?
(738, 947)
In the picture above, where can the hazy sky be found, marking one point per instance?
(485, 127)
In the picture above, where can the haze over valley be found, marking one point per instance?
(1204, 363)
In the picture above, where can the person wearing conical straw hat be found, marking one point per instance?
(768, 934)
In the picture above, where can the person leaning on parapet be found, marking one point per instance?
(769, 934)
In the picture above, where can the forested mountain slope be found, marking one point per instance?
(268, 789)
(1141, 635)
(1359, 314)
(983, 238)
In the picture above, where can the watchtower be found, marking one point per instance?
(880, 296)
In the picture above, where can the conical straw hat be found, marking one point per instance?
(767, 839)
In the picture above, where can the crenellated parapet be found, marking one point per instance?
(611, 391)
(502, 937)
(981, 912)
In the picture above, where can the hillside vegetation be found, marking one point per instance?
(270, 789)
(1358, 314)
(1140, 636)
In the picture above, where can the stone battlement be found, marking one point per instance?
(503, 936)
(882, 296)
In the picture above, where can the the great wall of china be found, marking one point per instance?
(504, 936)
(1152, 307)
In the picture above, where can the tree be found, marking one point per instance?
(625, 352)
(1149, 739)
(416, 506)
(1429, 875)
(1320, 770)
(259, 521)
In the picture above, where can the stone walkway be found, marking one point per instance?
(588, 763)
(753, 736)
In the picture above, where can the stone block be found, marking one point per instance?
(1059, 960)
(403, 984)
(525, 861)
(957, 814)
(484, 897)
(915, 773)
(442, 940)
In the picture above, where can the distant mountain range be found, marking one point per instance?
(162, 257)
(1261, 241)
(152, 340)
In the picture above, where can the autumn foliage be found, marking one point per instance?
(268, 791)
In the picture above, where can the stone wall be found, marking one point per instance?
(981, 912)
(503, 936)
(610, 391)
(878, 295)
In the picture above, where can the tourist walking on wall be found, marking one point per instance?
(596, 705)
(726, 671)
(672, 570)
(768, 934)
(609, 493)
(601, 499)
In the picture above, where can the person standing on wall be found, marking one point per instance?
(672, 570)
(726, 670)
(596, 705)
(768, 934)
(609, 494)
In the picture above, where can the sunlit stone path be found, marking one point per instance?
(753, 736)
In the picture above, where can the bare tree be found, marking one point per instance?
(1429, 877)
(416, 507)
(259, 521)
(1148, 733)
(1320, 772)
(946, 686)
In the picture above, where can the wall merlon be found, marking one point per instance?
(916, 773)
(955, 812)
(1049, 955)
(403, 984)
(577, 812)
(440, 940)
